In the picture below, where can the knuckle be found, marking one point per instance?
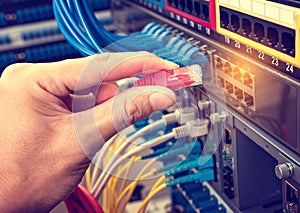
(138, 110)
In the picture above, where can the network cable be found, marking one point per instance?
(192, 129)
(180, 115)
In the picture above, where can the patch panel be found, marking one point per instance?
(32, 11)
(18, 37)
(197, 11)
(269, 33)
(41, 53)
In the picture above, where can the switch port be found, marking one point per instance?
(189, 7)
(224, 19)
(248, 99)
(228, 184)
(197, 8)
(237, 75)
(227, 68)
(205, 11)
(248, 81)
(238, 93)
(273, 36)
(181, 5)
(219, 64)
(229, 87)
(291, 198)
(235, 23)
(221, 82)
(246, 27)
(259, 32)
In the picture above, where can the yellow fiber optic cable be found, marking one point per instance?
(143, 207)
(132, 186)
(157, 183)
(88, 178)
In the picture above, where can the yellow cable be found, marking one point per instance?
(114, 181)
(143, 207)
(88, 178)
(127, 172)
(157, 183)
(131, 187)
(151, 162)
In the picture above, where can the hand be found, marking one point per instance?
(56, 116)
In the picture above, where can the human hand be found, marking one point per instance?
(54, 120)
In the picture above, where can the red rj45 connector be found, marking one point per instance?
(174, 79)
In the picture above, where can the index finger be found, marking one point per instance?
(85, 73)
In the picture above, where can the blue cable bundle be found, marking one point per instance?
(81, 28)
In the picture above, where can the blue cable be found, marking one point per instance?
(73, 39)
(70, 22)
(84, 24)
(66, 24)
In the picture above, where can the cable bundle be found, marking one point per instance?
(115, 194)
(81, 27)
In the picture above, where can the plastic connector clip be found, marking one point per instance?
(200, 176)
(174, 79)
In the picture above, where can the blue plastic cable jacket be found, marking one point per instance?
(156, 152)
(201, 176)
(207, 160)
(188, 148)
(96, 26)
(84, 24)
(69, 20)
(71, 38)
(175, 163)
(65, 21)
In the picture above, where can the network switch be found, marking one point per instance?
(258, 89)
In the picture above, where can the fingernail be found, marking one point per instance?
(170, 65)
(161, 101)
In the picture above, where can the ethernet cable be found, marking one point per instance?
(174, 79)
(69, 33)
(192, 128)
(167, 119)
(180, 116)
(118, 162)
(100, 155)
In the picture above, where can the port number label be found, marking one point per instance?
(227, 40)
(261, 55)
(207, 31)
(275, 61)
(248, 49)
(289, 68)
(237, 44)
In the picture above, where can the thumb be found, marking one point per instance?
(94, 126)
